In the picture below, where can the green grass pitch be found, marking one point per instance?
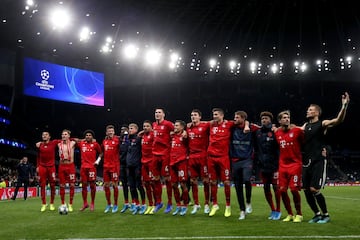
(23, 220)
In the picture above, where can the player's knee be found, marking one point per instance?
(294, 189)
(193, 180)
(282, 189)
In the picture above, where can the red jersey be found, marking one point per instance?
(111, 151)
(290, 146)
(219, 141)
(146, 147)
(178, 150)
(161, 145)
(46, 154)
(198, 137)
(88, 153)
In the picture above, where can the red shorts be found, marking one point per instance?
(47, 174)
(290, 177)
(269, 177)
(219, 168)
(160, 165)
(146, 173)
(88, 174)
(111, 174)
(67, 173)
(179, 172)
(198, 167)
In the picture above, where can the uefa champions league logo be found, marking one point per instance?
(45, 75)
(44, 84)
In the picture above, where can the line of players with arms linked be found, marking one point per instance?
(165, 153)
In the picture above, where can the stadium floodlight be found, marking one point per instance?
(152, 56)
(253, 67)
(212, 62)
(274, 68)
(174, 57)
(303, 67)
(84, 34)
(232, 64)
(130, 51)
(29, 2)
(59, 18)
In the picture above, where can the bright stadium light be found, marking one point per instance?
(152, 57)
(84, 34)
(212, 62)
(232, 64)
(29, 2)
(130, 51)
(253, 67)
(274, 68)
(60, 18)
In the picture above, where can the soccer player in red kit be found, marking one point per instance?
(66, 171)
(290, 139)
(146, 161)
(198, 138)
(89, 149)
(161, 151)
(46, 168)
(111, 150)
(218, 158)
(178, 167)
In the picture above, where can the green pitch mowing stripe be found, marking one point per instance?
(23, 220)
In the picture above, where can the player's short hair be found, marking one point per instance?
(280, 115)
(268, 114)
(160, 108)
(110, 126)
(148, 121)
(181, 122)
(124, 126)
(89, 131)
(242, 114)
(218, 110)
(317, 108)
(66, 130)
(134, 125)
(197, 111)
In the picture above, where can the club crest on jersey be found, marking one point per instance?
(291, 135)
(200, 129)
(215, 130)
(162, 127)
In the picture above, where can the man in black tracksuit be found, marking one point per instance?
(124, 144)
(25, 173)
(133, 162)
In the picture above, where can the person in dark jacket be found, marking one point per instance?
(267, 158)
(241, 155)
(124, 144)
(25, 175)
(133, 162)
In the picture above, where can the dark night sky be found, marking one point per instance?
(266, 31)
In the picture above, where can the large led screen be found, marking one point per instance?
(63, 83)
